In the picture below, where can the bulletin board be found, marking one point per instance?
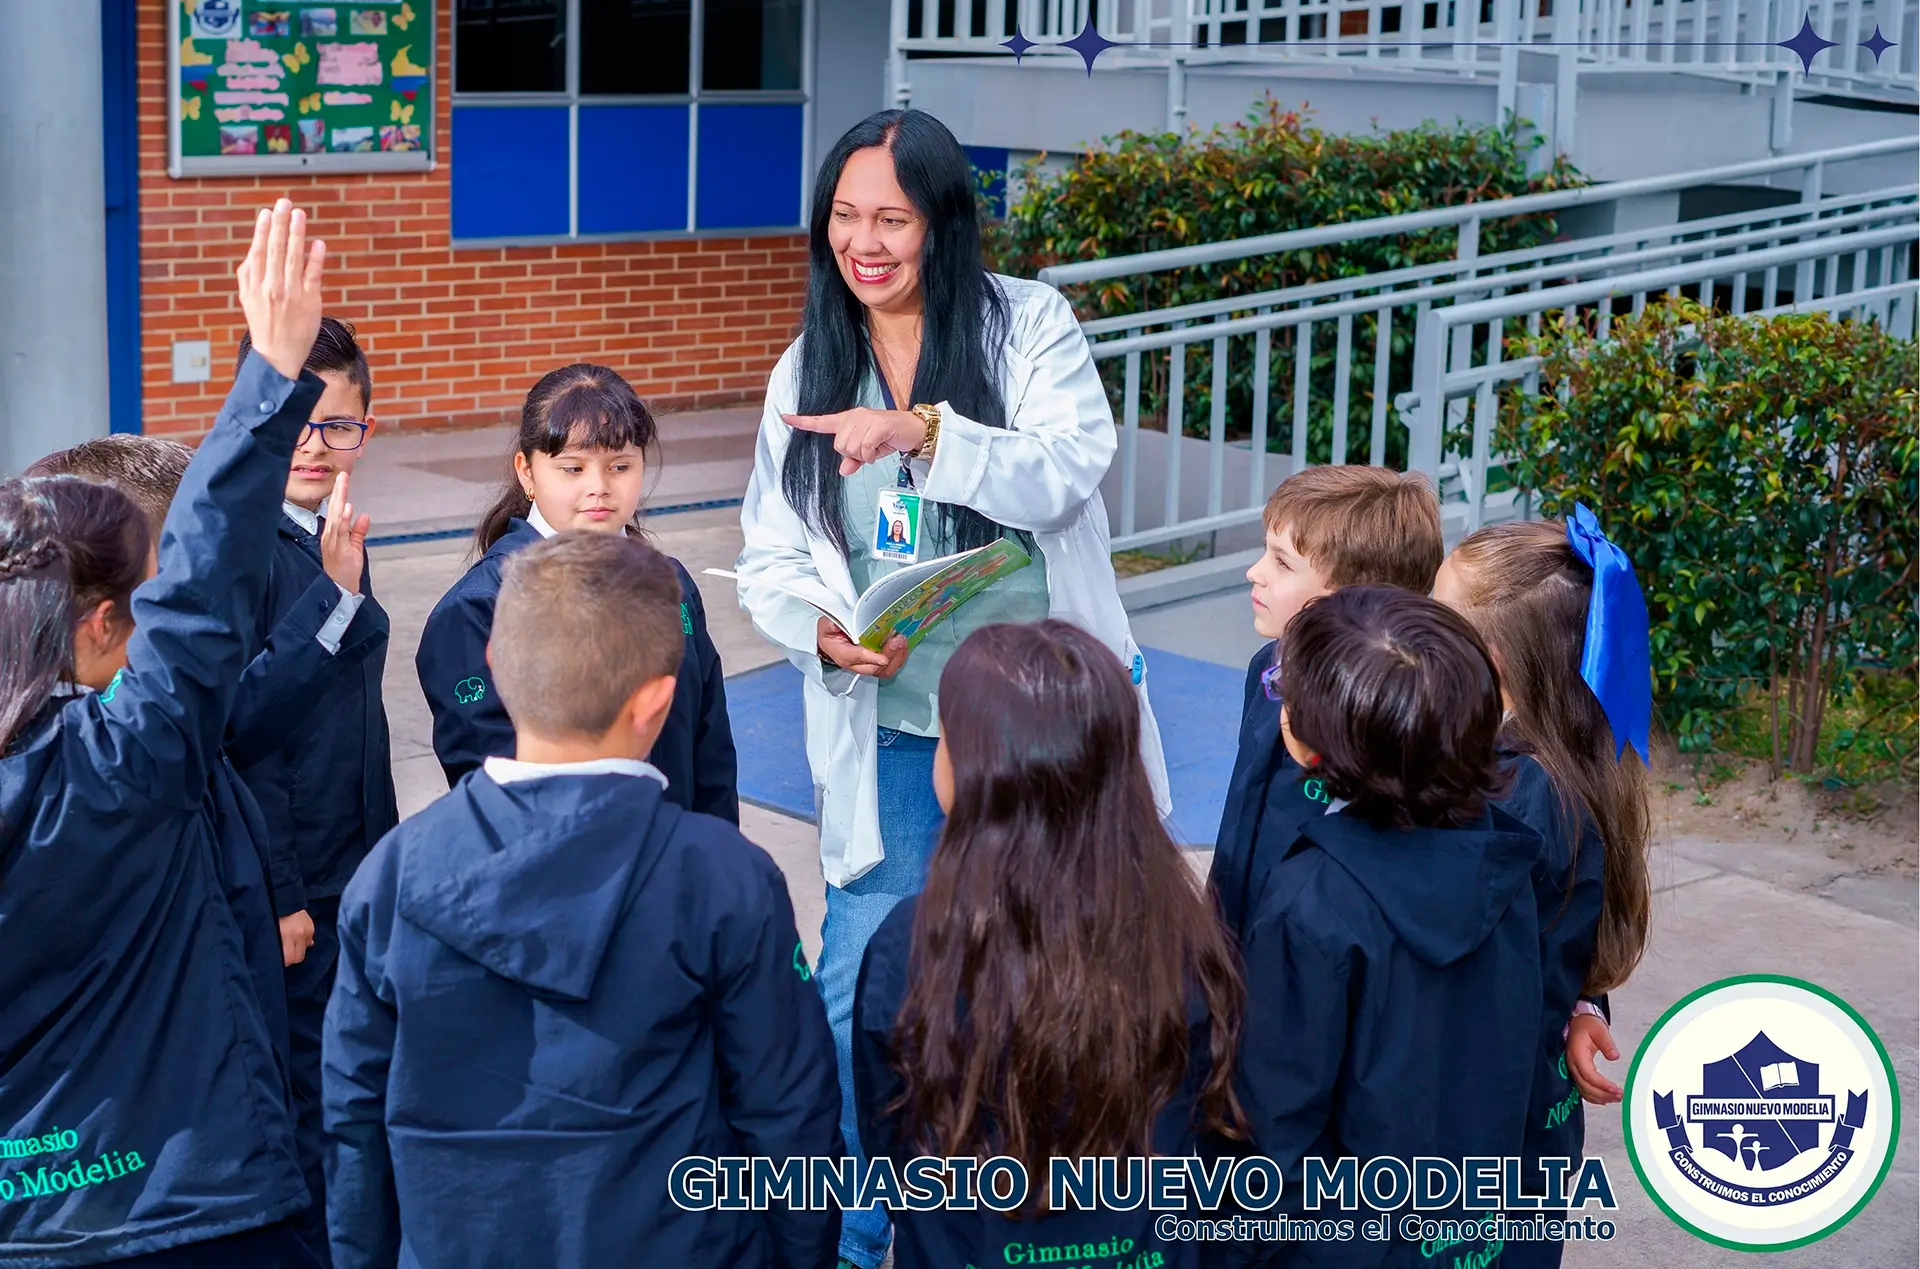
(267, 86)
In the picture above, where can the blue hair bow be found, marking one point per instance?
(1617, 661)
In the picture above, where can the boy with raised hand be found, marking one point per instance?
(554, 983)
(1327, 527)
(136, 1053)
(309, 729)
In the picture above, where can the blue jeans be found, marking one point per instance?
(910, 821)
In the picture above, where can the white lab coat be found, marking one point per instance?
(1041, 474)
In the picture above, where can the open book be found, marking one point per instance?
(913, 600)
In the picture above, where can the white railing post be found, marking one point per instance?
(1429, 418)
(1810, 182)
(1179, 35)
(1507, 98)
(899, 92)
(1566, 91)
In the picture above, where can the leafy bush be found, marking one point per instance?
(1762, 474)
(1146, 192)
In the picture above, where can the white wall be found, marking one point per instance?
(1054, 107)
(1626, 125)
(851, 39)
(53, 232)
(1651, 125)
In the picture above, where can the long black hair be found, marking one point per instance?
(1060, 941)
(66, 544)
(585, 405)
(964, 318)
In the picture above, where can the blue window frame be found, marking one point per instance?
(628, 118)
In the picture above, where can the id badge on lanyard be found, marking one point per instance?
(896, 527)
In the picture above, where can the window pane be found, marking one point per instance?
(633, 168)
(510, 46)
(751, 44)
(634, 46)
(509, 171)
(749, 166)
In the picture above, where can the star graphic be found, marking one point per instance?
(1089, 44)
(1019, 44)
(1878, 44)
(1806, 43)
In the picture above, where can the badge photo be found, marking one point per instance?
(896, 530)
(1761, 1113)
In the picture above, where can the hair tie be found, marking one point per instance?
(1617, 659)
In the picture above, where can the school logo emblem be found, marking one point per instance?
(216, 19)
(469, 690)
(1761, 1113)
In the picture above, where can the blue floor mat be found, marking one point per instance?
(1197, 704)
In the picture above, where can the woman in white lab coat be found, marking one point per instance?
(916, 372)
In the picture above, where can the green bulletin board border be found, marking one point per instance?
(421, 160)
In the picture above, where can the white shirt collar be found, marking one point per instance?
(1333, 808)
(308, 520)
(513, 771)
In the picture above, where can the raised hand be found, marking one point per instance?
(862, 435)
(280, 287)
(343, 540)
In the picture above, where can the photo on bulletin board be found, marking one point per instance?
(277, 85)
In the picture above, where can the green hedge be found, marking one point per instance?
(1142, 192)
(1763, 475)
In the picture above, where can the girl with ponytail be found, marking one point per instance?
(1560, 610)
(579, 464)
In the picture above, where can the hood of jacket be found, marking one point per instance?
(530, 878)
(1443, 890)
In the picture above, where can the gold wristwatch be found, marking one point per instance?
(930, 415)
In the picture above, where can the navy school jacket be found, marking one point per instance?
(695, 748)
(129, 1023)
(951, 1239)
(242, 855)
(309, 730)
(548, 992)
(1393, 1002)
(1569, 885)
(1269, 795)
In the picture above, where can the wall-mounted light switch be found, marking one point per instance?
(192, 360)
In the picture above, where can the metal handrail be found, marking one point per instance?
(1432, 378)
(1546, 261)
(1465, 213)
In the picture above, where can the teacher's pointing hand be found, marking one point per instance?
(862, 435)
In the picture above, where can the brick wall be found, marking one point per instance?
(455, 337)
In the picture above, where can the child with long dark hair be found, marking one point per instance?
(1392, 948)
(1061, 986)
(1530, 590)
(136, 1050)
(580, 462)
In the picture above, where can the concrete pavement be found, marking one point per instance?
(1724, 905)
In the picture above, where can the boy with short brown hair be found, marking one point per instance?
(1327, 527)
(554, 983)
(145, 468)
